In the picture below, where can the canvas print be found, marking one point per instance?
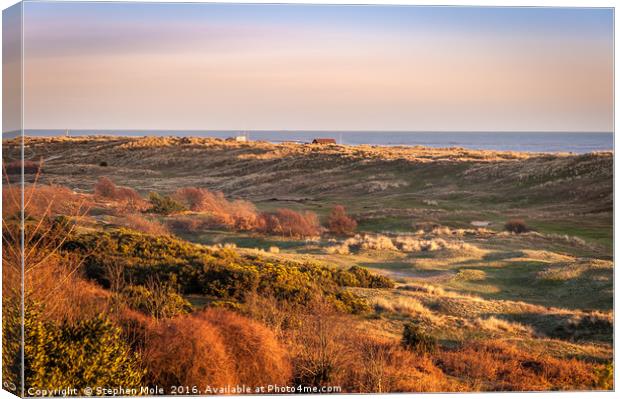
(259, 199)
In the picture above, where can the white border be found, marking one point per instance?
(488, 3)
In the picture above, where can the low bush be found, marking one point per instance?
(217, 348)
(164, 205)
(339, 223)
(350, 303)
(140, 223)
(105, 188)
(128, 198)
(363, 278)
(383, 366)
(260, 359)
(43, 202)
(239, 214)
(84, 354)
(417, 340)
(187, 351)
(516, 226)
(286, 222)
(158, 300)
(187, 224)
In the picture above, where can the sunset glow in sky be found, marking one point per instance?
(207, 66)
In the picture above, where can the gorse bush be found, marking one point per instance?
(339, 223)
(357, 276)
(158, 300)
(218, 273)
(417, 340)
(84, 354)
(164, 205)
(348, 302)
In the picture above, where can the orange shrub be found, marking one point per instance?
(328, 349)
(260, 359)
(245, 216)
(287, 222)
(499, 366)
(192, 197)
(339, 223)
(242, 215)
(383, 366)
(128, 198)
(216, 348)
(105, 188)
(239, 215)
(187, 351)
(43, 201)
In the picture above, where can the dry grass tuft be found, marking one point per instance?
(499, 325)
(404, 305)
(400, 243)
(140, 223)
(427, 288)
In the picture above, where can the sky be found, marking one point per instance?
(304, 67)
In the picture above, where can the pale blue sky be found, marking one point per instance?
(210, 66)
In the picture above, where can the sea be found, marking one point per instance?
(575, 142)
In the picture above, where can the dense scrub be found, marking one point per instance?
(217, 273)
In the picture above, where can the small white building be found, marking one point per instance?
(242, 138)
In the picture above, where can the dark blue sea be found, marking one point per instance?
(504, 141)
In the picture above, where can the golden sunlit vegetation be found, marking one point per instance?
(162, 271)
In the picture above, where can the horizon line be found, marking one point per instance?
(306, 130)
